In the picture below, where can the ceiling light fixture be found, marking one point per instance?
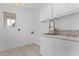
(18, 4)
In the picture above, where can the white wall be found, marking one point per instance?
(11, 37)
(69, 22)
(37, 31)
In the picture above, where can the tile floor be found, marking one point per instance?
(28, 50)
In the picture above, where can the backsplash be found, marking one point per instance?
(73, 33)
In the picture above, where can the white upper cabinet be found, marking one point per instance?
(46, 13)
(52, 11)
(72, 6)
(62, 9)
(58, 9)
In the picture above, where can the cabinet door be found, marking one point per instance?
(45, 46)
(46, 13)
(58, 9)
(52, 47)
(71, 6)
(58, 46)
(65, 48)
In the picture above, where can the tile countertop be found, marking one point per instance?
(63, 37)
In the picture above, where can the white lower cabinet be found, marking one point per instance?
(58, 47)
(65, 48)
(45, 46)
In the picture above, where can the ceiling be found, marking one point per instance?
(33, 7)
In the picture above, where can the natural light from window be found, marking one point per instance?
(10, 22)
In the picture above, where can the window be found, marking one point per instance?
(10, 22)
(9, 19)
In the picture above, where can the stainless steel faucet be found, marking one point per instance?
(53, 25)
